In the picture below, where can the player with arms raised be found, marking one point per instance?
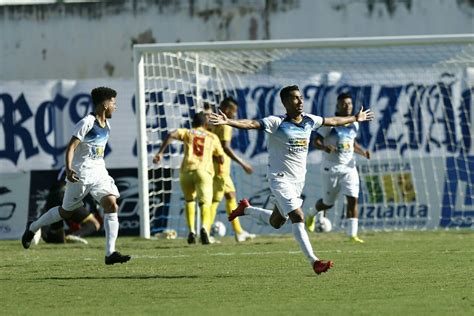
(86, 173)
(288, 140)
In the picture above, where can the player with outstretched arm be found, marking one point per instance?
(288, 142)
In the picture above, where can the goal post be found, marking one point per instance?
(421, 174)
(142, 151)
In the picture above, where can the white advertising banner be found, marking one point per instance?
(423, 128)
(14, 193)
(38, 119)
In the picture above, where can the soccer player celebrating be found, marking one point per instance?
(339, 172)
(287, 152)
(197, 171)
(86, 173)
(223, 184)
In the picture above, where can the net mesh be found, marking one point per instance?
(421, 173)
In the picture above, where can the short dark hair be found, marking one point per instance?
(228, 101)
(199, 119)
(101, 94)
(343, 96)
(285, 92)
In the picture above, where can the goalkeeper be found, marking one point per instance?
(223, 186)
(197, 171)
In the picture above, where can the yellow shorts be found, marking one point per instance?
(196, 183)
(221, 185)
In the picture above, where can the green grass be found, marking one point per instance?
(412, 273)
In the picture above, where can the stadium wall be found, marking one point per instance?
(94, 40)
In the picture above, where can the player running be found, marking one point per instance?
(288, 140)
(86, 173)
(339, 172)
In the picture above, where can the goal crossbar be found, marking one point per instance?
(338, 42)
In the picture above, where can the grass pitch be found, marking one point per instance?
(396, 273)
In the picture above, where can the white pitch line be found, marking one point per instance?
(37, 258)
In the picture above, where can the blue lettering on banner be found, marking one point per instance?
(448, 127)
(46, 114)
(399, 211)
(264, 97)
(382, 140)
(17, 113)
(241, 141)
(459, 174)
(13, 127)
(80, 106)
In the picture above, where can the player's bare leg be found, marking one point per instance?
(276, 219)
(111, 227)
(89, 226)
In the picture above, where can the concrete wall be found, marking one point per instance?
(94, 40)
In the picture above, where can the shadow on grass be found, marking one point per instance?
(128, 277)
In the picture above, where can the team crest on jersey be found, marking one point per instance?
(96, 152)
(297, 144)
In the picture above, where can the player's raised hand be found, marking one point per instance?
(217, 119)
(366, 115)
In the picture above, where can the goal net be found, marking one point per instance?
(421, 171)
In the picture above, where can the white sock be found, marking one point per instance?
(302, 238)
(352, 227)
(260, 214)
(111, 226)
(48, 218)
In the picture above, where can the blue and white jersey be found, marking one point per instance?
(288, 144)
(88, 158)
(341, 137)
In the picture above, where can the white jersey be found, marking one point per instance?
(288, 144)
(341, 137)
(88, 160)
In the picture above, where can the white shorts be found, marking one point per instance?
(77, 191)
(286, 194)
(333, 182)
